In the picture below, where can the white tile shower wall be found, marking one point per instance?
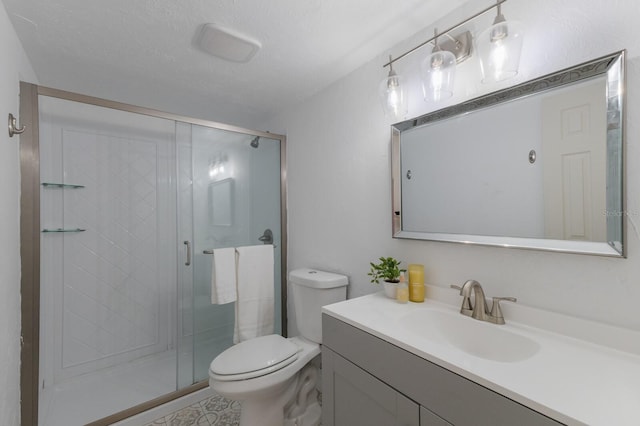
(14, 67)
(350, 225)
(108, 291)
(111, 297)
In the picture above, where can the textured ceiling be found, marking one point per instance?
(142, 51)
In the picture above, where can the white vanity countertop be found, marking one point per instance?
(569, 379)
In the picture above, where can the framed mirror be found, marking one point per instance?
(535, 166)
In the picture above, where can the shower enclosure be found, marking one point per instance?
(121, 208)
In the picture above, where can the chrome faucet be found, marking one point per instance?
(479, 309)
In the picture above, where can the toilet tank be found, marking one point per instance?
(311, 290)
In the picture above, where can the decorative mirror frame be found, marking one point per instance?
(612, 66)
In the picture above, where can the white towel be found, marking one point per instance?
(223, 276)
(254, 307)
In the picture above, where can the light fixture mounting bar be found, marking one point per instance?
(459, 24)
(460, 46)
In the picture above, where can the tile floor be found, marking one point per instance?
(212, 411)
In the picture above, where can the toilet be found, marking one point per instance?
(273, 376)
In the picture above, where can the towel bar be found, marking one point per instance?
(210, 251)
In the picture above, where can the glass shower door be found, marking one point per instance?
(229, 195)
(107, 286)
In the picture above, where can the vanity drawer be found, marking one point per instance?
(456, 399)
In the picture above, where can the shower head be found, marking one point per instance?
(255, 142)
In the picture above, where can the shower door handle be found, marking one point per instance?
(188, 244)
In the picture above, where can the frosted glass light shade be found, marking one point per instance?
(393, 95)
(499, 48)
(438, 73)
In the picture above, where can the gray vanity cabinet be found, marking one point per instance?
(358, 398)
(368, 381)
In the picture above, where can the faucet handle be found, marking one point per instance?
(466, 302)
(496, 312)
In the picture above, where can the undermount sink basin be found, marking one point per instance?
(478, 338)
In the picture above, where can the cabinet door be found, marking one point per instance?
(351, 396)
(427, 418)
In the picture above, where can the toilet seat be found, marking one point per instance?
(254, 358)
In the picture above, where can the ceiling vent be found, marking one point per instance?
(226, 44)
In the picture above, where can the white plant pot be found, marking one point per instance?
(390, 289)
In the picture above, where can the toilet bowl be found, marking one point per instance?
(273, 376)
(264, 392)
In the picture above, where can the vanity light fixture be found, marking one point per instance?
(393, 95)
(215, 169)
(438, 72)
(499, 49)
(217, 165)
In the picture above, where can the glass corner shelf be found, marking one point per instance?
(63, 230)
(60, 185)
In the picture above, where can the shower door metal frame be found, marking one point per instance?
(30, 240)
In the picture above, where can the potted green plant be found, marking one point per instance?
(387, 270)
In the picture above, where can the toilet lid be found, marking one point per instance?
(255, 357)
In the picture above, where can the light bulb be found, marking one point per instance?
(499, 48)
(438, 73)
(393, 95)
